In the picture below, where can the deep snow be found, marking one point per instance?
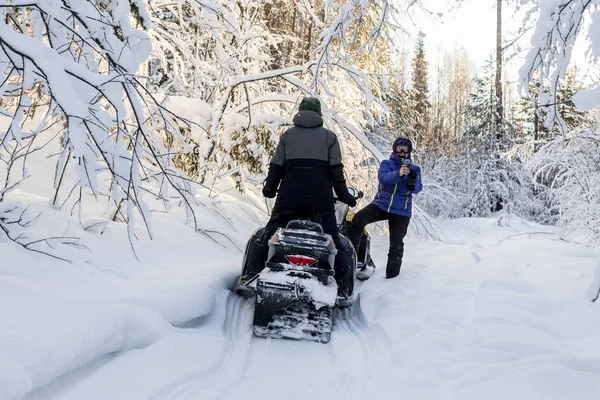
(489, 312)
(493, 310)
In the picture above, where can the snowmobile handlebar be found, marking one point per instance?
(359, 195)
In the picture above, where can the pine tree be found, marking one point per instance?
(532, 115)
(421, 92)
(494, 181)
(567, 110)
(481, 115)
(402, 118)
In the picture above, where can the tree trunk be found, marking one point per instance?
(536, 126)
(499, 108)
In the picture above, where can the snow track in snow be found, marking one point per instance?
(300, 369)
(238, 315)
(358, 348)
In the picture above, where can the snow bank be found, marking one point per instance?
(14, 380)
(177, 304)
(56, 317)
(45, 335)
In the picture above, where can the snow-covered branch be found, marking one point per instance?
(82, 58)
(569, 171)
(250, 69)
(559, 24)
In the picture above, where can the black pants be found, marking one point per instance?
(398, 225)
(258, 251)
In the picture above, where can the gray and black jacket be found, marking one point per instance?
(308, 163)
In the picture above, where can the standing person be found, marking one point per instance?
(306, 165)
(399, 180)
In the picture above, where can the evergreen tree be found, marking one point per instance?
(493, 182)
(420, 94)
(400, 121)
(569, 113)
(531, 115)
(481, 112)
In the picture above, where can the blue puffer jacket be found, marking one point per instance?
(393, 195)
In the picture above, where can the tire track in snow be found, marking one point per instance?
(236, 314)
(350, 358)
(361, 352)
(346, 366)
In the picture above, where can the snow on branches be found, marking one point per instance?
(559, 23)
(77, 60)
(250, 63)
(568, 169)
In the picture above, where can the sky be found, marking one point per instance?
(473, 26)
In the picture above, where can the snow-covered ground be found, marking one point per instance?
(490, 312)
(56, 317)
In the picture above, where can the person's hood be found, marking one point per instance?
(308, 119)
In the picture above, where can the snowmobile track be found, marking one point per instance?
(189, 385)
(362, 359)
(218, 379)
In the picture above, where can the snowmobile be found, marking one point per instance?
(296, 291)
(365, 266)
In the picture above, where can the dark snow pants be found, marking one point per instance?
(398, 225)
(259, 249)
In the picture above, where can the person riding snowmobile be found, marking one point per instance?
(306, 165)
(399, 180)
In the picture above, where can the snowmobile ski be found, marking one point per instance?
(365, 271)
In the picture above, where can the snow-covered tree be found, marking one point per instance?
(558, 25)
(248, 91)
(480, 179)
(529, 117)
(420, 86)
(78, 61)
(569, 169)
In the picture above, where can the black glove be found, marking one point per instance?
(272, 180)
(411, 180)
(268, 193)
(351, 201)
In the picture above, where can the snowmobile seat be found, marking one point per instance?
(303, 224)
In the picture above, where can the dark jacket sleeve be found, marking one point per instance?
(276, 169)
(336, 170)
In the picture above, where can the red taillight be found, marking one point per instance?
(301, 260)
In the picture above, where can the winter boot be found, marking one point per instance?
(355, 235)
(394, 261)
(345, 273)
(257, 256)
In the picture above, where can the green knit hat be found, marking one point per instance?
(311, 104)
